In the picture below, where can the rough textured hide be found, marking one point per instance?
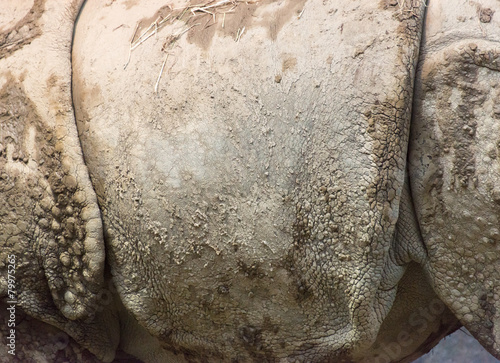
(254, 202)
(49, 219)
(250, 206)
(454, 167)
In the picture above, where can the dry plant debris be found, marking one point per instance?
(184, 15)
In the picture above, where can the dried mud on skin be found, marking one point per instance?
(23, 32)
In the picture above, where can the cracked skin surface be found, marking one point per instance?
(256, 208)
(50, 220)
(265, 240)
(456, 125)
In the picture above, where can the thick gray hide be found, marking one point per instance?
(254, 200)
(49, 218)
(454, 166)
(249, 206)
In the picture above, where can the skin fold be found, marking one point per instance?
(270, 181)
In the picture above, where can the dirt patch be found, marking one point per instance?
(244, 16)
(44, 218)
(275, 22)
(229, 17)
(145, 23)
(23, 32)
(460, 75)
(289, 64)
(485, 15)
(385, 4)
(130, 4)
(52, 81)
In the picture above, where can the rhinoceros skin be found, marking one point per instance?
(262, 181)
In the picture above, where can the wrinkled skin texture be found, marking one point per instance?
(269, 202)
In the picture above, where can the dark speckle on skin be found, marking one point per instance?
(250, 335)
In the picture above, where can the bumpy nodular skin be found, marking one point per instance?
(236, 186)
(52, 247)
